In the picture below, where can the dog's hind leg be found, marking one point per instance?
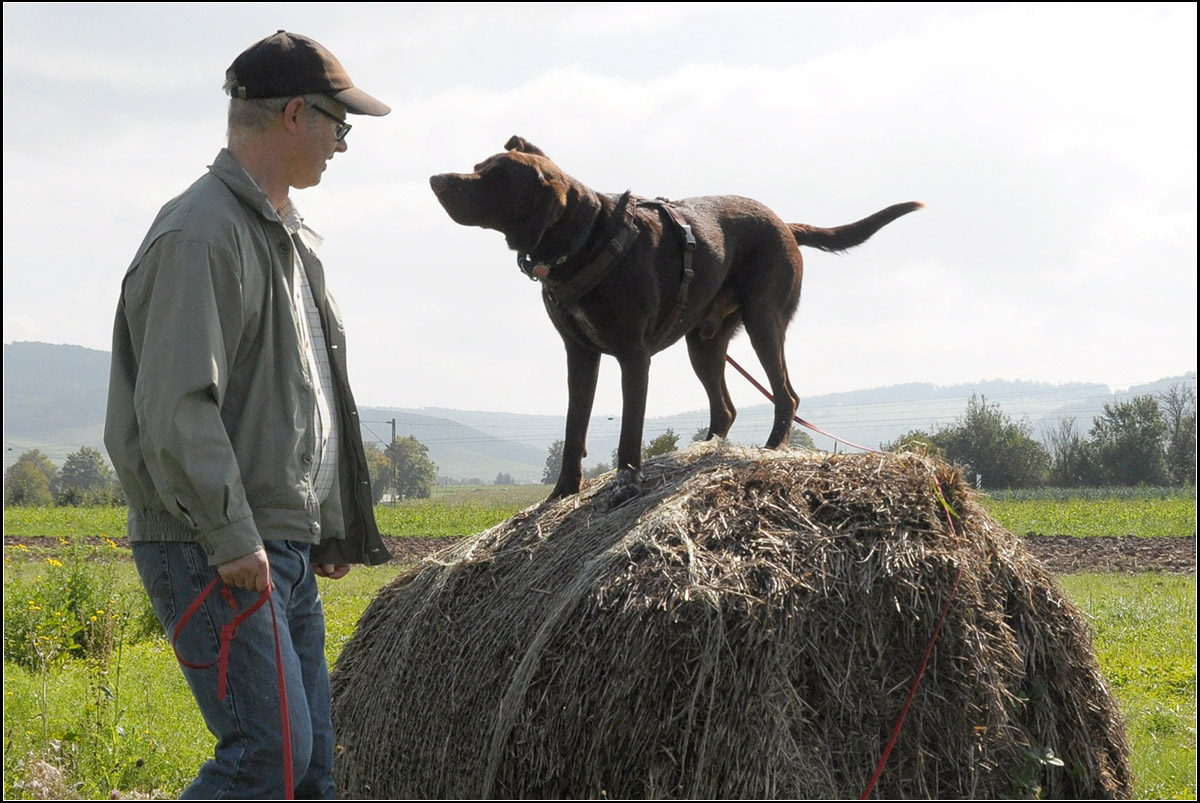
(707, 353)
(766, 335)
(583, 368)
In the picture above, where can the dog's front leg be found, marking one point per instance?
(583, 368)
(635, 379)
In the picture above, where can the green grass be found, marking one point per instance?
(451, 511)
(93, 699)
(1144, 517)
(344, 601)
(1128, 492)
(83, 727)
(65, 521)
(148, 737)
(1144, 635)
(457, 510)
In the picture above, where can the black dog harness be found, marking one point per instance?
(596, 268)
(663, 335)
(617, 246)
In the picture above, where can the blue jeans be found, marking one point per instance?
(248, 758)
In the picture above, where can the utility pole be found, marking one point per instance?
(393, 451)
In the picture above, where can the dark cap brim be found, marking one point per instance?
(358, 102)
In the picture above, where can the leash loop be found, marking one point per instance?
(228, 634)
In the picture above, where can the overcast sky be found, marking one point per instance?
(1054, 145)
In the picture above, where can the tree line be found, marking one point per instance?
(85, 479)
(402, 470)
(1147, 440)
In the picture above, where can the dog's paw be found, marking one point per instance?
(625, 487)
(567, 485)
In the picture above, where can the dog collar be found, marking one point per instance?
(537, 271)
(541, 269)
(599, 264)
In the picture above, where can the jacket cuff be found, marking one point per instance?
(230, 542)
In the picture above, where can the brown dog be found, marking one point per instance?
(629, 277)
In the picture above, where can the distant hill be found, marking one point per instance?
(54, 398)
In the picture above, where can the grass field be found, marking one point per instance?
(457, 511)
(1144, 516)
(451, 511)
(124, 719)
(1144, 635)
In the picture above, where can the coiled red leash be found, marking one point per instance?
(228, 633)
(950, 514)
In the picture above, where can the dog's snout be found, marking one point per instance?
(438, 182)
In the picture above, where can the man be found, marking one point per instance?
(231, 423)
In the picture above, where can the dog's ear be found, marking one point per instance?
(549, 202)
(515, 143)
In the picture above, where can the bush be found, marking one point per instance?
(73, 609)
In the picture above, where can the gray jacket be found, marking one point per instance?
(210, 402)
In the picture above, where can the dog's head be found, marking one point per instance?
(519, 193)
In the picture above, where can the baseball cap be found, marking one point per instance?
(287, 65)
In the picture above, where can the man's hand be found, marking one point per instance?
(334, 571)
(251, 572)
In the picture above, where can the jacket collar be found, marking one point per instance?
(231, 173)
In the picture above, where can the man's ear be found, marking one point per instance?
(291, 114)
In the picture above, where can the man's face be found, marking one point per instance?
(317, 142)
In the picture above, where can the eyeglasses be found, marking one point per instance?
(343, 128)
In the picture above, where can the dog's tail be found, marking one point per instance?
(841, 238)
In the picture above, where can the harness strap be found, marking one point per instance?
(228, 633)
(663, 333)
(583, 282)
(593, 273)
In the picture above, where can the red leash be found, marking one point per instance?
(228, 633)
(798, 419)
(912, 692)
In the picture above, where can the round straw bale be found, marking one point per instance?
(750, 627)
